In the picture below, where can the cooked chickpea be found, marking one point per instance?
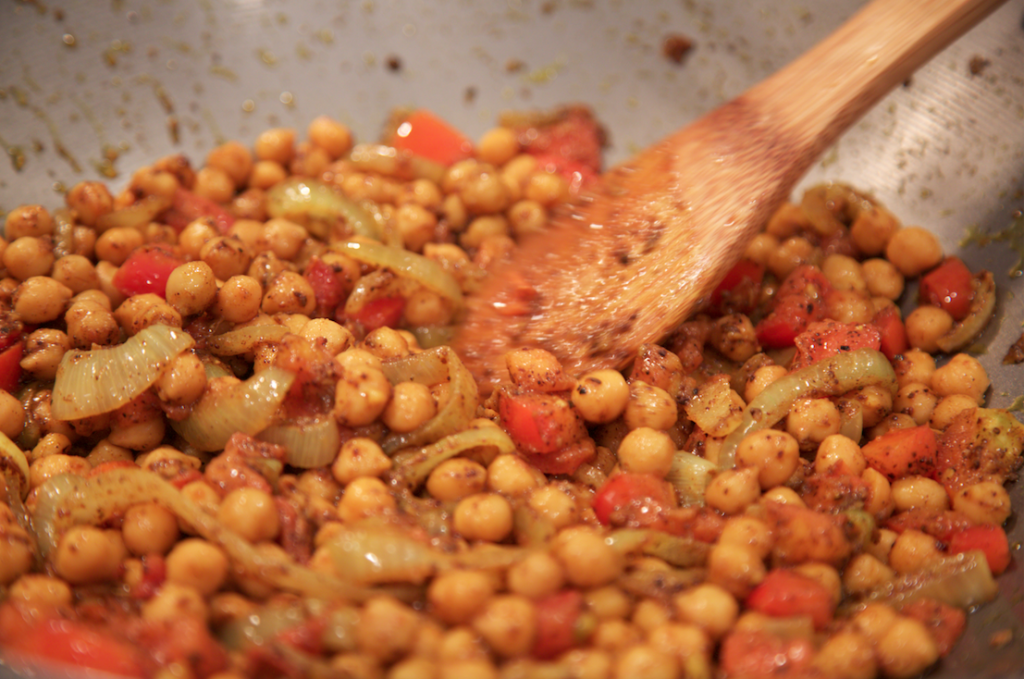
(773, 454)
(484, 516)
(457, 596)
(783, 495)
(536, 576)
(45, 468)
(498, 146)
(555, 504)
(456, 479)
(735, 568)
(482, 229)
(906, 650)
(546, 188)
(87, 555)
(266, 173)
(149, 529)
(646, 661)
(44, 349)
(233, 159)
(874, 621)
(608, 603)
(919, 492)
(790, 254)
(508, 625)
(586, 557)
(733, 490)
(913, 250)
(747, 531)
(174, 601)
(511, 475)
(76, 273)
(17, 554)
(387, 628)
(411, 406)
(709, 607)
(925, 325)
(359, 457)
(879, 501)
(601, 396)
(844, 273)
(214, 184)
(837, 450)
(251, 513)
(289, 293)
(12, 415)
(873, 229)
(913, 551)
(649, 406)
(40, 299)
(361, 396)
(276, 144)
(812, 420)
(846, 655)
(115, 245)
(35, 220)
(882, 278)
(647, 451)
(733, 336)
(948, 408)
(41, 591)
(198, 564)
(850, 306)
(239, 299)
(984, 503)
(365, 496)
(916, 400)
(964, 374)
(226, 256)
(763, 376)
(864, 573)
(761, 247)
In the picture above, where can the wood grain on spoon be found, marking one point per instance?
(634, 257)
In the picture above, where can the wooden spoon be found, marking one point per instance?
(633, 258)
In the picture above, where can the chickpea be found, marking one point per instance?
(425, 307)
(331, 336)
(174, 601)
(284, 238)
(359, 457)
(536, 576)
(964, 374)
(925, 325)
(882, 278)
(454, 212)
(34, 221)
(456, 479)
(239, 299)
(149, 529)
(251, 513)
(763, 376)
(846, 655)
(361, 395)
(45, 468)
(43, 352)
(587, 559)
(913, 551)
(850, 306)
(457, 596)
(601, 396)
(266, 173)
(41, 591)
(647, 451)
(484, 516)
(555, 504)
(12, 415)
(76, 273)
(115, 245)
(387, 628)
(733, 490)
(508, 625)
(411, 406)
(649, 406)
(774, 454)
(864, 573)
(760, 249)
(984, 503)
(198, 564)
(709, 607)
(735, 568)
(546, 188)
(333, 137)
(276, 144)
(40, 299)
(748, 531)
(87, 554)
(913, 250)
(526, 217)
(91, 323)
(289, 293)
(214, 184)
(17, 553)
(365, 496)
(874, 621)
(608, 603)
(233, 159)
(948, 408)
(783, 495)
(839, 450)
(907, 649)
(644, 660)
(195, 235)
(791, 253)
(812, 420)
(879, 502)
(615, 636)
(498, 146)
(483, 228)
(226, 256)
(386, 343)
(141, 311)
(511, 475)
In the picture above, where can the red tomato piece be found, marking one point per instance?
(903, 452)
(784, 593)
(625, 489)
(825, 339)
(327, 285)
(10, 367)
(539, 423)
(426, 135)
(799, 301)
(187, 207)
(565, 461)
(146, 271)
(570, 142)
(740, 289)
(945, 623)
(75, 644)
(948, 286)
(991, 540)
(760, 655)
(381, 312)
(892, 331)
(556, 623)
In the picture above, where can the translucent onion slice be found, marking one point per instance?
(102, 380)
(426, 272)
(310, 442)
(829, 377)
(321, 208)
(431, 367)
(246, 407)
(68, 500)
(134, 216)
(376, 553)
(389, 161)
(963, 581)
(14, 465)
(680, 551)
(983, 305)
(413, 469)
(375, 285)
(245, 339)
(690, 475)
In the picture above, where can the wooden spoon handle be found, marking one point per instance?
(820, 94)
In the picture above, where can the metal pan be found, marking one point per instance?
(92, 90)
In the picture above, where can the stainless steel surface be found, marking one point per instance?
(946, 151)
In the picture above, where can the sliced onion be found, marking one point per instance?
(983, 305)
(851, 419)
(660, 584)
(321, 208)
(246, 407)
(375, 285)
(963, 581)
(13, 465)
(374, 553)
(391, 162)
(412, 470)
(426, 272)
(690, 475)
(102, 380)
(432, 336)
(829, 377)
(310, 443)
(68, 500)
(134, 216)
(245, 339)
(677, 550)
(431, 367)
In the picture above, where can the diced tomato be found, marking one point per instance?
(556, 623)
(942, 524)
(539, 423)
(77, 645)
(948, 286)
(759, 655)
(944, 622)
(991, 540)
(186, 207)
(892, 331)
(827, 338)
(146, 271)
(380, 312)
(565, 461)
(426, 135)
(570, 141)
(739, 290)
(903, 452)
(327, 286)
(575, 172)
(623, 490)
(10, 366)
(799, 301)
(785, 593)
